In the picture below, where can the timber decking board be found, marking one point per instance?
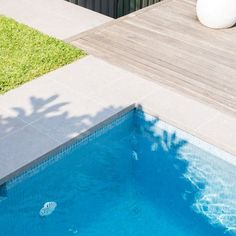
(166, 43)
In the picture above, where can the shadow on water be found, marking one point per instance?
(161, 173)
(159, 166)
(165, 162)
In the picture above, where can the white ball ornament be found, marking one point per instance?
(217, 13)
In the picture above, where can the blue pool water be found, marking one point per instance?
(137, 176)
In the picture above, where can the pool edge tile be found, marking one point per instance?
(61, 146)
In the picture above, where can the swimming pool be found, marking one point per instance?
(135, 176)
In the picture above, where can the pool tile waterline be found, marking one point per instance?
(140, 133)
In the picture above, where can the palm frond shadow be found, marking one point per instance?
(169, 167)
(53, 112)
(166, 165)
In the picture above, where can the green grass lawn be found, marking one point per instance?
(26, 54)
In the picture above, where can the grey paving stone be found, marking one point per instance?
(23, 147)
(9, 123)
(57, 18)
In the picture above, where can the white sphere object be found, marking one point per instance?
(217, 13)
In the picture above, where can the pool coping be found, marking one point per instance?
(208, 147)
(46, 156)
(63, 147)
(193, 138)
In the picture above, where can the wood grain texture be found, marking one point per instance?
(166, 43)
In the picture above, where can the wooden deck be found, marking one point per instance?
(167, 44)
